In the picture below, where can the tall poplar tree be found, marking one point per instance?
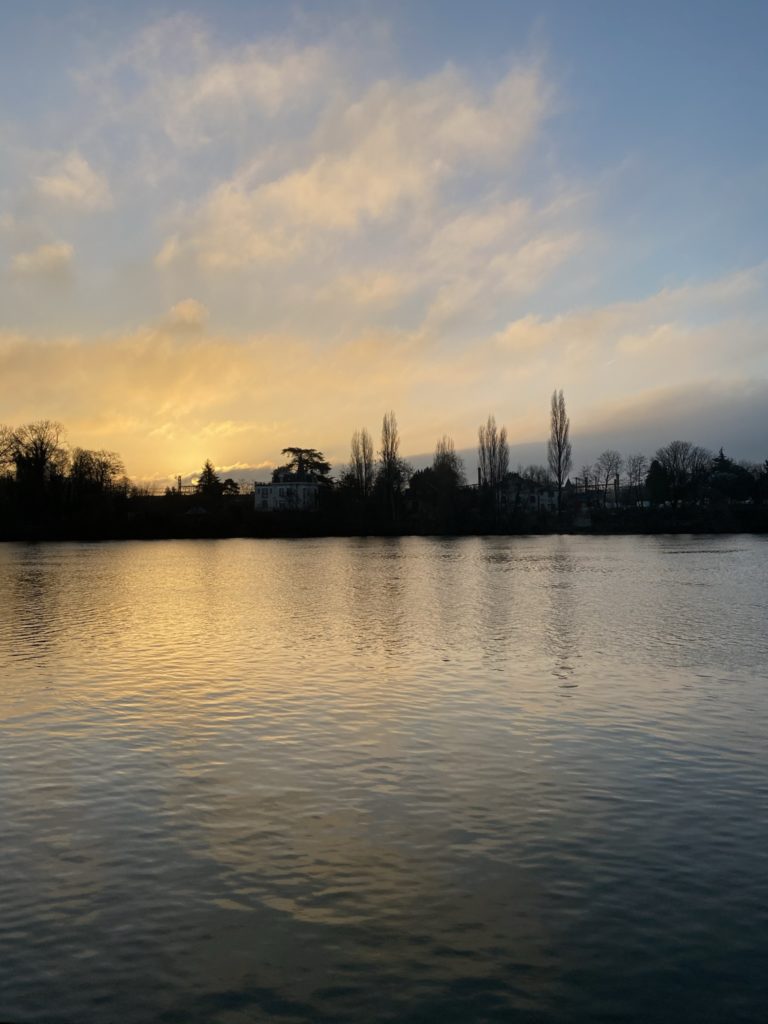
(559, 444)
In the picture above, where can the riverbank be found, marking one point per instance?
(236, 519)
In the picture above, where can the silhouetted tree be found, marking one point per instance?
(393, 471)
(492, 453)
(535, 474)
(307, 462)
(559, 449)
(230, 488)
(38, 458)
(637, 470)
(94, 471)
(361, 466)
(36, 450)
(685, 466)
(607, 468)
(6, 448)
(208, 483)
(448, 478)
(762, 483)
(493, 458)
(435, 489)
(657, 483)
(732, 481)
(447, 464)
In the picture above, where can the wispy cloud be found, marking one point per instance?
(187, 315)
(174, 79)
(631, 328)
(72, 181)
(52, 261)
(375, 158)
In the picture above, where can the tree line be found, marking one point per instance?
(39, 471)
(679, 474)
(47, 488)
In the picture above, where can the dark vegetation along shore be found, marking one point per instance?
(49, 491)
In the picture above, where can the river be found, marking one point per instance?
(479, 779)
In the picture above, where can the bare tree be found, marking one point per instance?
(435, 489)
(361, 461)
(393, 471)
(493, 457)
(684, 465)
(637, 471)
(534, 474)
(486, 440)
(587, 475)
(6, 448)
(559, 452)
(36, 450)
(390, 442)
(447, 462)
(95, 471)
(492, 452)
(608, 469)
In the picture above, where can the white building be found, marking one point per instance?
(290, 492)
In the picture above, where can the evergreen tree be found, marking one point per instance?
(208, 483)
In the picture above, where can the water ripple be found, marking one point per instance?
(408, 780)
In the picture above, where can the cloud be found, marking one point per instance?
(53, 261)
(524, 269)
(691, 336)
(72, 181)
(231, 232)
(199, 107)
(165, 399)
(171, 394)
(484, 226)
(307, 188)
(480, 261)
(730, 410)
(188, 315)
(174, 81)
(323, 182)
(400, 140)
(377, 158)
(670, 318)
(371, 288)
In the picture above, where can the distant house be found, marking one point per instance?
(296, 492)
(530, 495)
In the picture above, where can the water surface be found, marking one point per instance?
(414, 780)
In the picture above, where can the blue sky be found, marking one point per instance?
(229, 227)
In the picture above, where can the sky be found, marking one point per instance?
(231, 227)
